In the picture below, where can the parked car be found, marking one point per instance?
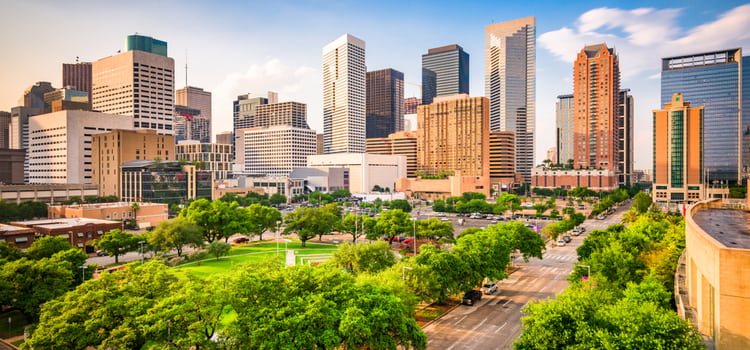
(602, 217)
(440, 214)
(445, 219)
(408, 241)
(489, 287)
(471, 297)
(499, 218)
(101, 253)
(241, 240)
(561, 243)
(567, 239)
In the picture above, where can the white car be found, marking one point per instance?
(561, 243)
(489, 287)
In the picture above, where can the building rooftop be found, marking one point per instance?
(12, 229)
(63, 222)
(731, 227)
(110, 205)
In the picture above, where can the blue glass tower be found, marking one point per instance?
(445, 71)
(714, 80)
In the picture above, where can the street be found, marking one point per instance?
(495, 321)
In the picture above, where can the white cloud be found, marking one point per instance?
(301, 84)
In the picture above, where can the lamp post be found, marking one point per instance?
(142, 257)
(83, 272)
(414, 221)
(278, 226)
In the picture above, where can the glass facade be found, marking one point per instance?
(564, 114)
(445, 71)
(676, 149)
(165, 182)
(147, 44)
(385, 102)
(713, 80)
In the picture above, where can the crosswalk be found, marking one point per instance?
(560, 257)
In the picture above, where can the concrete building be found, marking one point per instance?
(403, 143)
(213, 157)
(47, 193)
(78, 76)
(385, 102)
(109, 150)
(282, 113)
(445, 72)
(451, 186)
(244, 110)
(411, 104)
(344, 95)
(365, 170)
(147, 214)
(20, 237)
(510, 84)
(712, 279)
(4, 129)
(274, 150)
(454, 136)
(225, 138)
(717, 80)
(678, 152)
(33, 96)
(163, 182)
(319, 141)
(137, 83)
(565, 132)
(596, 79)
(190, 124)
(196, 98)
(324, 180)
(18, 137)
(78, 231)
(568, 179)
(65, 94)
(502, 161)
(624, 137)
(60, 144)
(11, 166)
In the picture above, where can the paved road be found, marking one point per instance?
(495, 322)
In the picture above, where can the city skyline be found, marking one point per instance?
(274, 58)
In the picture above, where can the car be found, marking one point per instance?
(445, 219)
(499, 218)
(241, 240)
(602, 217)
(101, 253)
(460, 215)
(493, 222)
(408, 241)
(475, 216)
(561, 243)
(567, 239)
(489, 287)
(440, 214)
(471, 297)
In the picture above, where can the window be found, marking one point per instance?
(22, 239)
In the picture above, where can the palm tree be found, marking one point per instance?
(135, 208)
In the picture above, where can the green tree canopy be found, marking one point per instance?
(46, 247)
(262, 219)
(364, 257)
(218, 248)
(392, 223)
(435, 230)
(402, 204)
(218, 219)
(307, 223)
(117, 242)
(641, 202)
(175, 234)
(31, 283)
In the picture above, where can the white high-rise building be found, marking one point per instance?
(274, 150)
(344, 95)
(197, 98)
(59, 149)
(510, 80)
(138, 83)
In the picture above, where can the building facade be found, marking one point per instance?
(11, 166)
(146, 214)
(568, 179)
(274, 150)
(244, 111)
(281, 113)
(20, 237)
(213, 157)
(137, 83)
(190, 124)
(678, 152)
(77, 76)
(565, 134)
(717, 81)
(47, 193)
(33, 96)
(596, 79)
(196, 98)
(502, 159)
(4, 129)
(624, 137)
(109, 150)
(445, 72)
(403, 143)
(225, 138)
(78, 231)
(385, 102)
(18, 137)
(163, 182)
(344, 95)
(60, 144)
(365, 170)
(510, 84)
(454, 136)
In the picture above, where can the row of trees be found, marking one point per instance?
(28, 210)
(254, 198)
(626, 301)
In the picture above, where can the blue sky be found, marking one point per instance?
(237, 47)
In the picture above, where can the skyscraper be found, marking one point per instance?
(344, 96)
(445, 72)
(33, 96)
(624, 137)
(564, 122)
(244, 110)
(596, 93)
(78, 76)
(717, 81)
(283, 113)
(197, 98)
(4, 129)
(678, 152)
(510, 80)
(385, 102)
(138, 83)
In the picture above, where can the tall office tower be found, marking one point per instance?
(454, 136)
(4, 129)
(344, 96)
(60, 144)
(197, 98)
(385, 102)
(510, 80)
(77, 76)
(224, 137)
(138, 83)
(274, 150)
(411, 104)
(445, 72)
(33, 96)
(596, 93)
(402, 143)
(624, 135)
(678, 151)
(110, 149)
(717, 81)
(244, 111)
(66, 99)
(190, 124)
(564, 122)
(18, 136)
(502, 159)
(283, 113)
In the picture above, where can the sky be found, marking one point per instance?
(238, 47)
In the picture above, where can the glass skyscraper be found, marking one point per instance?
(385, 102)
(714, 80)
(445, 71)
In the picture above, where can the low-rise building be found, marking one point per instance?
(47, 193)
(365, 170)
(450, 186)
(20, 237)
(163, 182)
(568, 179)
(78, 231)
(145, 214)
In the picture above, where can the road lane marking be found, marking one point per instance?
(501, 327)
(460, 319)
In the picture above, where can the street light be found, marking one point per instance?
(414, 220)
(278, 226)
(83, 275)
(142, 257)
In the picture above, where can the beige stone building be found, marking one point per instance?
(213, 157)
(146, 214)
(402, 143)
(112, 149)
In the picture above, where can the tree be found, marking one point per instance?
(218, 219)
(401, 204)
(9, 252)
(364, 257)
(355, 225)
(46, 247)
(262, 219)
(435, 230)
(392, 223)
(175, 234)
(74, 259)
(641, 202)
(509, 200)
(307, 223)
(582, 192)
(277, 198)
(540, 209)
(341, 193)
(32, 210)
(520, 238)
(218, 248)
(135, 207)
(117, 242)
(437, 274)
(31, 283)
(486, 253)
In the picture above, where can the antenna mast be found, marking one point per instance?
(186, 80)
